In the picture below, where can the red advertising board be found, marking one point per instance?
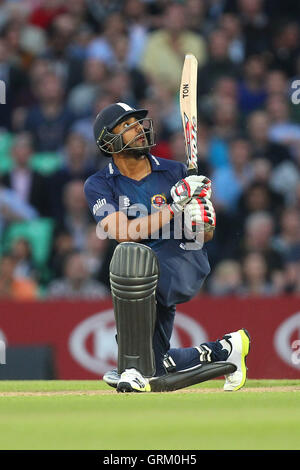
(82, 333)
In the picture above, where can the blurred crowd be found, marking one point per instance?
(62, 62)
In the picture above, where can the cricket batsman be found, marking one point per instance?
(138, 199)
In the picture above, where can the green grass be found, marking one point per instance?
(240, 420)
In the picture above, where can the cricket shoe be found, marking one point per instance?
(240, 346)
(132, 381)
(111, 377)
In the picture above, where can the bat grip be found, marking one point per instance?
(190, 172)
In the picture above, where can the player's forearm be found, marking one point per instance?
(120, 228)
(143, 227)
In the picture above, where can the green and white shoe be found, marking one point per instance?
(240, 346)
(132, 381)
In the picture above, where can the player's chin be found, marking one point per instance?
(137, 152)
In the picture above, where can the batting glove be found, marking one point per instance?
(186, 189)
(200, 213)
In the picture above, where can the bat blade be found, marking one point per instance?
(188, 110)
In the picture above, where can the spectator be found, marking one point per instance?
(28, 184)
(84, 127)
(49, 121)
(169, 108)
(287, 242)
(76, 167)
(224, 129)
(285, 175)
(44, 14)
(276, 82)
(259, 197)
(95, 253)
(286, 47)
(226, 279)
(15, 80)
(138, 81)
(65, 63)
(100, 12)
(78, 9)
(256, 282)
(292, 276)
(259, 230)
(229, 182)
(196, 16)
(27, 97)
(12, 287)
(135, 13)
(83, 95)
(63, 245)
(76, 282)
(256, 27)
(252, 91)
(225, 90)
(101, 48)
(261, 171)
(218, 64)
(75, 217)
(12, 34)
(13, 209)
(22, 254)
(282, 130)
(258, 125)
(231, 24)
(118, 87)
(165, 49)
(32, 38)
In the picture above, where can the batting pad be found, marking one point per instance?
(192, 376)
(133, 279)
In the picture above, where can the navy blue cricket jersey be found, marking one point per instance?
(182, 271)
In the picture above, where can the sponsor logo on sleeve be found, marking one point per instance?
(99, 203)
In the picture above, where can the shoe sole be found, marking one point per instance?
(125, 387)
(245, 351)
(111, 384)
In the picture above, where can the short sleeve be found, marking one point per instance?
(100, 198)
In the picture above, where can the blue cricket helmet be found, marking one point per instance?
(109, 118)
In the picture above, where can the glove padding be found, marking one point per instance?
(200, 214)
(187, 188)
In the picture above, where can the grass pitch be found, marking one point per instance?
(91, 415)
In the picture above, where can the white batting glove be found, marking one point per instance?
(187, 188)
(200, 214)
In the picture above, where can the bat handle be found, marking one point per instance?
(192, 171)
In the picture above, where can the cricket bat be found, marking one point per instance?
(188, 110)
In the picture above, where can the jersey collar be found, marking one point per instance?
(157, 164)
